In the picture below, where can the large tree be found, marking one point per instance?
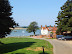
(33, 27)
(6, 21)
(64, 21)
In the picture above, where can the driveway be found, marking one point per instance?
(60, 47)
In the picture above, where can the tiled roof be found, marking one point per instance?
(43, 28)
(50, 28)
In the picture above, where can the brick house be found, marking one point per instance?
(49, 31)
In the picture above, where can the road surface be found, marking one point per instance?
(59, 46)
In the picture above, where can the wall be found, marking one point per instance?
(44, 32)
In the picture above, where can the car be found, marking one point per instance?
(66, 38)
(59, 37)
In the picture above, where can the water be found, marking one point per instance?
(22, 32)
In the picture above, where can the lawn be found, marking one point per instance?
(24, 46)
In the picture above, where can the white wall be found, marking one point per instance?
(44, 32)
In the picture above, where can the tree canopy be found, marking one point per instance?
(33, 27)
(64, 19)
(6, 21)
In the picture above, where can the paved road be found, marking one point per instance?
(60, 47)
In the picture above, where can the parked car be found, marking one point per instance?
(66, 38)
(59, 37)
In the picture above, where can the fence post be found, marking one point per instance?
(43, 49)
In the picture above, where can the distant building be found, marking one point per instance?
(49, 31)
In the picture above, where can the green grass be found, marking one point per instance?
(24, 46)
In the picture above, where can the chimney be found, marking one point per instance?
(45, 26)
(50, 25)
(41, 26)
(54, 25)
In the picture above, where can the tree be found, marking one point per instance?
(64, 19)
(6, 21)
(33, 27)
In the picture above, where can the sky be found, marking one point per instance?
(44, 12)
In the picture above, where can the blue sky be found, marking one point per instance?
(44, 12)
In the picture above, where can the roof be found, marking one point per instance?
(50, 28)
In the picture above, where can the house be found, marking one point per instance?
(49, 31)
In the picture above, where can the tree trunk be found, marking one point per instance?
(71, 33)
(34, 33)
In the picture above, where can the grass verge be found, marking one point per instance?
(24, 46)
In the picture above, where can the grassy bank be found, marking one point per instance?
(24, 46)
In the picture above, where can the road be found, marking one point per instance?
(59, 46)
